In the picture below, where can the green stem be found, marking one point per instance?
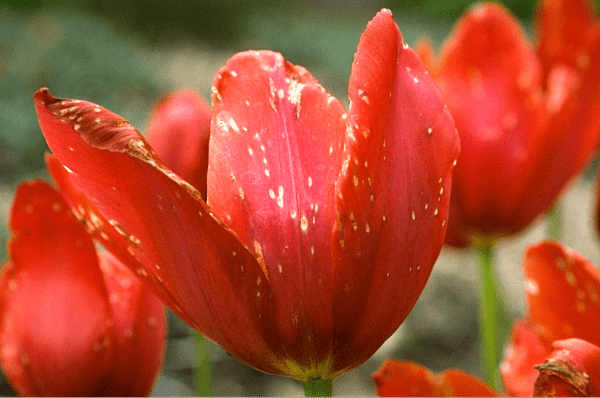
(317, 388)
(488, 314)
(553, 222)
(202, 373)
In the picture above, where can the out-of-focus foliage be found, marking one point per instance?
(94, 50)
(76, 55)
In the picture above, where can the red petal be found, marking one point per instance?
(563, 293)
(566, 30)
(140, 331)
(573, 105)
(275, 153)
(597, 207)
(393, 191)
(572, 370)
(178, 132)
(523, 351)
(168, 228)
(424, 48)
(55, 330)
(491, 80)
(409, 379)
(112, 237)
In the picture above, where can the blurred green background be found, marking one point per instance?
(124, 54)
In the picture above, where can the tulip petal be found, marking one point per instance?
(140, 331)
(60, 345)
(572, 370)
(566, 29)
(178, 132)
(563, 293)
(169, 229)
(109, 235)
(409, 379)
(275, 153)
(393, 191)
(523, 351)
(572, 136)
(491, 80)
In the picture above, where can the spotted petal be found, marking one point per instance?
(55, 331)
(275, 152)
(409, 379)
(170, 231)
(393, 191)
(112, 237)
(139, 323)
(563, 293)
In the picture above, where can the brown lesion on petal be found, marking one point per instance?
(556, 375)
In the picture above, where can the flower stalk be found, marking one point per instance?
(317, 388)
(488, 313)
(553, 222)
(202, 375)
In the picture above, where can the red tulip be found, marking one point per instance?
(573, 370)
(563, 302)
(321, 226)
(528, 122)
(72, 322)
(409, 379)
(178, 131)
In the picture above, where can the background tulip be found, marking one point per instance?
(321, 226)
(73, 322)
(528, 120)
(179, 130)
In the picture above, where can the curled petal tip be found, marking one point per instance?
(43, 97)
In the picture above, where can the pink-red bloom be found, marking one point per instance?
(562, 290)
(320, 226)
(528, 119)
(72, 322)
